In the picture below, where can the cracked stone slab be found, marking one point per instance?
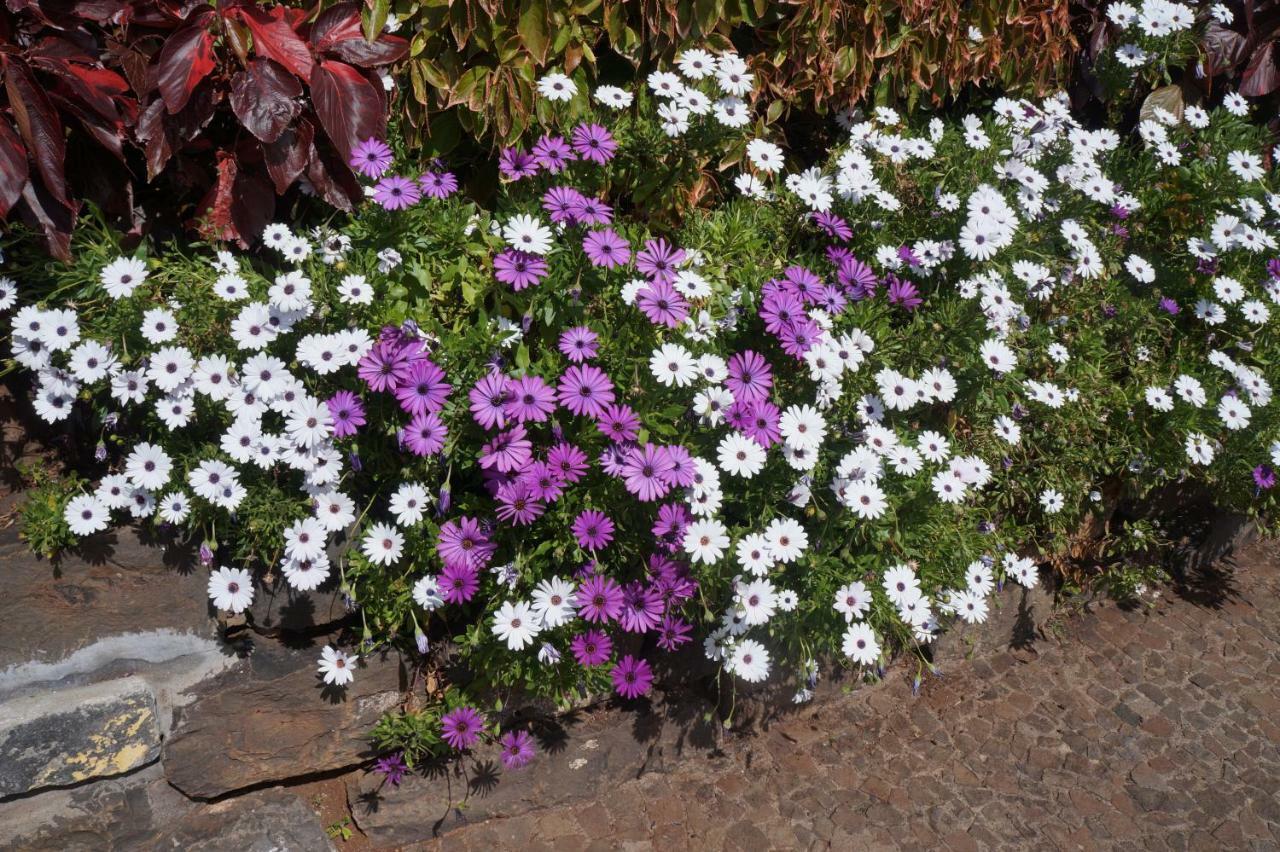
(117, 584)
(575, 764)
(270, 719)
(56, 739)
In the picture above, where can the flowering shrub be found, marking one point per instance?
(827, 417)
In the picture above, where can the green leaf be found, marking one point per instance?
(522, 357)
(532, 27)
(375, 19)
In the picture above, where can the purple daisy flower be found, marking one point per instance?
(553, 154)
(682, 471)
(591, 648)
(779, 310)
(585, 390)
(903, 293)
(489, 400)
(858, 279)
(750, 376)
(669, 529)
(371, 158)
(465, 544)
(642, 608)
(562, 204)
(425, 434)
(662, 304)
(593, 143)
(804, 282)
(658, 260)
(833, 225)
(761, 422)
(606, 249)
(509, 451)
(392, 768)
(593, 530)
(1264, 477)
(1169, 306)
(593, 211)
(515, 164)
(673, 632)
(832, 299)
(517, 749)
(424, 389)
(799, 337)
(632, 677)
(519, 269)
(645, 473)
(438, 184)
(347, 412)
(458, 583)
(569, 462)
(518, 504)
(599, 599)
(578, 344)
(461, 728)
(530, 398)
(397, 193)
(543, 480)
(619, 423)
(384, 367)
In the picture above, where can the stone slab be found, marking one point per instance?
(66, 737)
(115, 585)
(580, 762)
(270, 718)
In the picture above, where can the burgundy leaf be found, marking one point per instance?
(95, 88)
(275, 38)
(42, 211)
(1223, 48)
(110, 134)
(13, 168)
(333, 179)
(153, 132)
(1261, 77)
(351, 109)
(214, 210)
(252, 206)
(185, 60)
(287, 156)
(39, 124)
(338, 33)
(264, 97)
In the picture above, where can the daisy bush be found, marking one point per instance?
(565, 438)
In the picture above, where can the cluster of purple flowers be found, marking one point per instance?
(400, 365)
(552, 154)
(373, 157)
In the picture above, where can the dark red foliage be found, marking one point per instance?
(1240, 56)
(221, 108)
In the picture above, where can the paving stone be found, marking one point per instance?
(54, 739)
(1134, 729)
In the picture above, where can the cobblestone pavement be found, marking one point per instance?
(1125, 729)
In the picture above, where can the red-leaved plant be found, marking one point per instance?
(224, 108)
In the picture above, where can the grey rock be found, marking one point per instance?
(115, 585)
(122, 813)
(577, 763)
(53, 739)
(270, 821)
(270, 718)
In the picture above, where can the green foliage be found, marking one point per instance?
(42, 525)
(473, 65)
